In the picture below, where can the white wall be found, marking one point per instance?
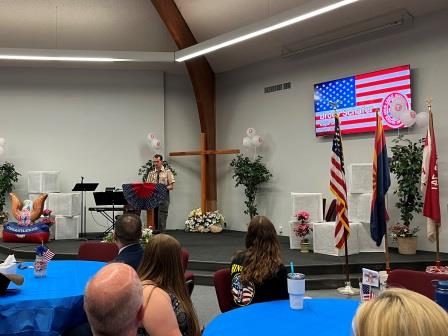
(90, 123)
(298, 160)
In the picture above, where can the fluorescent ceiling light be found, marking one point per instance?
(60, 55)
(62, 58)
(281, 20)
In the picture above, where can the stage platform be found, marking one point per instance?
(210, 252)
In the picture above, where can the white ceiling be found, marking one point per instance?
(134, 25)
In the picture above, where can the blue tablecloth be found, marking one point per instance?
(49, 305)
(318, 317)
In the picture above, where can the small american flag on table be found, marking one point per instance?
(367, 293)
(48, 255)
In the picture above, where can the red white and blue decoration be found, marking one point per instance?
(145, 195)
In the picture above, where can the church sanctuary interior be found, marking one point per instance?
(295, 149)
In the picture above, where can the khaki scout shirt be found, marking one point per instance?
(165, 176)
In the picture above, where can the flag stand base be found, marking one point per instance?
(348, 290)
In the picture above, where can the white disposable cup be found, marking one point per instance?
(296, 290)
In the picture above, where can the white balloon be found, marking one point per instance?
(2, 142)
(2, 150)
(408, 118)
(422, 119)
(155, 143)
(247, 142)
(257, 140)
(151, 136)
(250, 132)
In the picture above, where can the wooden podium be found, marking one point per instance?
(150, 219)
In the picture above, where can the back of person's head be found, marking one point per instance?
(113, 301)
(162, 264)
(263, 250)
(128, 229)
(400, 312)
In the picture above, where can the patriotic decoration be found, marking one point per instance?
(144, 196)
(367, 293)
(362, 97)
(48, 255)
(242, 295)
(370, 277)
(430, 182)
(338, 187)
(381, 184)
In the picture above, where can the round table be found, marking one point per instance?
(49, 305)
(318, 317)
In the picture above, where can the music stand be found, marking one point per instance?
(83, 187)
(110, 198)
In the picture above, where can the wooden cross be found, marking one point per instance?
(203, 152)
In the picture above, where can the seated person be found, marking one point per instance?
(113, 301)
(168, 310)
(127, 233)
(258, 273)
(400, 312)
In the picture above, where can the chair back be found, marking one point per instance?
(416, 281)
(223, 288)
(97, 251)
(331, 212)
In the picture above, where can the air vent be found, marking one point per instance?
(277, 87)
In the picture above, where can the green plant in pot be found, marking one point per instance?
(406, 165)
(250, 174)
(8, 176)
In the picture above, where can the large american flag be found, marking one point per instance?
(338, 186)
(361, 97)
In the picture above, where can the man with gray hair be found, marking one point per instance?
(113, 301)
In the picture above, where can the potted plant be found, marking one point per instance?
(407, 237)
(8, 175)
(250, 174)
(302, 229)
(406, 165)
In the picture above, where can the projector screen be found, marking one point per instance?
(360, 97)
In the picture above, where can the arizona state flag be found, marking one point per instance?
(381, 183)
(430, 181)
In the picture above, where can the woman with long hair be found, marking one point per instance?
(168, 309)
(258, 273)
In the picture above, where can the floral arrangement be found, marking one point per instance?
(146, 236)
(302, 229)
(47, 219)
(211, 221)
(401, 230)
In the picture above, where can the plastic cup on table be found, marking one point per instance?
(296, 290)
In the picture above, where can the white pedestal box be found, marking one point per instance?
(324, 241)
(65, 204)
(66, 227)
(361, 175)
(366, 243)
(311, 202)
(33, 197)
(43, 182)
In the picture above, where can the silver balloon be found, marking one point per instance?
(247, 142)
(422, 119)
(250, 132)
(257, 140)
(155, 143)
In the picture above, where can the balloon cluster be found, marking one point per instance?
(2, 145)
(154, 142)
(252, 139)
(399, 111)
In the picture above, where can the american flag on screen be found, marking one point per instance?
(360, 97)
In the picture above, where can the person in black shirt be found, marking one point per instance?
(258, 273)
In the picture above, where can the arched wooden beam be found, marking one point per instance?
(203, 80)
